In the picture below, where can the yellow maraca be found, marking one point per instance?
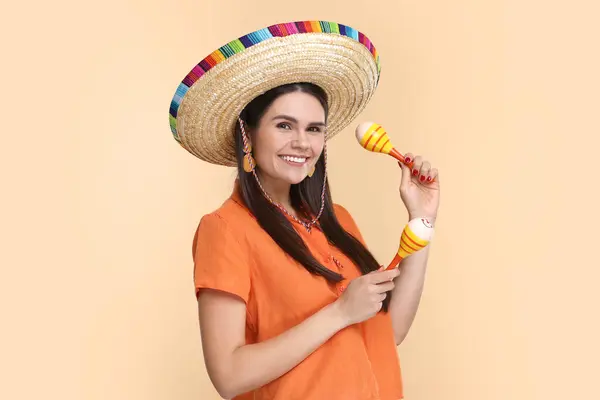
(373, 137)
(419, 231)
(416, 235)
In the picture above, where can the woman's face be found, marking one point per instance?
(289, 138)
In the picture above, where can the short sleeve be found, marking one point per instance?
(345, 219)
(220, 261)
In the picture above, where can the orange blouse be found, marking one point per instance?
(234, 254)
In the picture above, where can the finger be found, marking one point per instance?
(383, 276)
(405, 178)
(384, 287)
(381, 287)
(433, 175)
(408, 159)
(424, 171)
(380, 297)
(381, 268)
(416, 167)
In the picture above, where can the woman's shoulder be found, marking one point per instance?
(226, 223)
(347, 221)
(341, 212)
(229, 213)
(345, 218)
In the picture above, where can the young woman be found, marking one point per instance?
(292, 304)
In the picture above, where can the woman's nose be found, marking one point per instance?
(301, 141)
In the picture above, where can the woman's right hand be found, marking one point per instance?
(363, 297)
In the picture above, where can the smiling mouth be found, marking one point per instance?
(294, 160)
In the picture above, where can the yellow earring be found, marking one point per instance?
(311, 172)
(248, 163)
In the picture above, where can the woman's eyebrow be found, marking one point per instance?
(294, 120)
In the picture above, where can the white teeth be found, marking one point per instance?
(294, 159)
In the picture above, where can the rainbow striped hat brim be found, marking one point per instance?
(208, 101)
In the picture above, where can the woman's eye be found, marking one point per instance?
(283, 125)
(315, 129)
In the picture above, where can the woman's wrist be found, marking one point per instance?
(430, 218)
(336, 315)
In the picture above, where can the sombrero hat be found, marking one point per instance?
(207, 103)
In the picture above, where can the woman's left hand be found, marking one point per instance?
(419, 187)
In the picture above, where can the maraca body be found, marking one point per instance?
(373, 137)
(416, 235)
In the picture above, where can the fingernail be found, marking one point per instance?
(422, 178)
(415, 172)
(428, 179)
(407, 160)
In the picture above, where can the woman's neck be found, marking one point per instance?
(278, 191)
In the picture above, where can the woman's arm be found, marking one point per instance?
(406, 295)
(235, 368)
(420, 191)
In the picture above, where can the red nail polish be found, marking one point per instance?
(407, 160)
(415, 172)
(422, 178)
(428, 179)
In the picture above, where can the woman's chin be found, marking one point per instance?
(294, 177)
(295, 180)
(289, 175)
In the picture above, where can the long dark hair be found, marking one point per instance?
(305, 195)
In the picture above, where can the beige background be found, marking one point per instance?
(99, 203)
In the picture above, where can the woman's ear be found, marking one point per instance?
(249, 134)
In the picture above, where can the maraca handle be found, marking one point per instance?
(396, 154)
(394, 262)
